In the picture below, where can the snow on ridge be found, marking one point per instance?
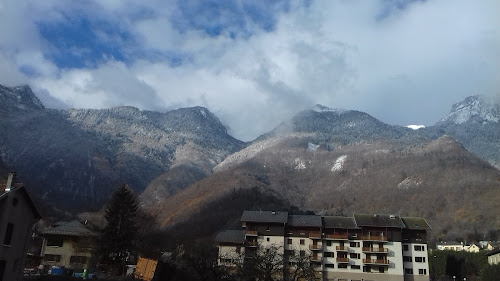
(321, 108)
(415, 127)
(339, 163)
(474, 106)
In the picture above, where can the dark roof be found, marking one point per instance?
(264, 216)
(415, 223)
(339, 222)
(74, 228)
(493, 252)
(231, 236)
(379, 220)
(304, 220)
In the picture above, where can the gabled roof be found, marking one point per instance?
(415, 223)
(264, 216)
(74, 228)
(231, 236)
(339, 222)
(493, 252)
(22, 190)
(304, 220)
(379, 220)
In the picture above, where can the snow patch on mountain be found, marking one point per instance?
(339, 163)
(300, 164)
(312, 146)
(415, 127)
(482, 107)
(321, 108)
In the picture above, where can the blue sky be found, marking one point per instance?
(254, 63)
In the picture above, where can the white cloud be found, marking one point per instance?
(405, 68)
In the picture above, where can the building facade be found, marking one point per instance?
(18, 215)
(361, 247)
(67, 245)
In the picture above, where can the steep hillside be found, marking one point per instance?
(76, 158)
(474, 122)
(347, 167)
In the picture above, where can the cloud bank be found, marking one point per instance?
(255, 63)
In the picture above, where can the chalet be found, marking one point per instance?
(494, 256)
(18, 215)
(67, 245)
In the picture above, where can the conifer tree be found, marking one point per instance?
(118, 238)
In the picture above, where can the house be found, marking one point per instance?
(472, 248)
(67, 245)
(450, 246)
(494, 256)
(18, 215)
(231, 247)
(361, 247)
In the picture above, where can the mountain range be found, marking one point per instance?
(330, 161)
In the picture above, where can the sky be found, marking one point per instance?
(254, 63)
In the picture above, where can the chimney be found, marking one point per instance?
(10, 179)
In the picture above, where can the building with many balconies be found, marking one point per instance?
(361, 247)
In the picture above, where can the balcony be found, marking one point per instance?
(316, 258)
(315, 247)
(374, 250)
(337, 236)
(251, 233)
(251, 244)
(342, 260)
(342, 248)
(373, 261)
(374, 238)
(315, 234)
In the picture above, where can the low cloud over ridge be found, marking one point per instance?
(252, 63)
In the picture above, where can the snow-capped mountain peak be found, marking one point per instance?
(484, 108)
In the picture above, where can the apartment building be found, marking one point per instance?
(361, 247)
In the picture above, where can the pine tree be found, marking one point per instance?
(118, 238)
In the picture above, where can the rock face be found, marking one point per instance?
(78, 157)
(475, 122)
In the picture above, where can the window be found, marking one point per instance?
(328, 254)
(290, 252)
(419, 248)
(52, 258)
(8, 234)
(405, 247)
(328, 243)
(381, 269)
(367, 269)
(406, 259)
(354, 244)
(54, 242)
(302, 241)
(289, 241)
(419, 259)
(78, 259)
(329, 265)
(302, 253)
(422, 271)
(355, 266)
(342, 265)
(354, 256)
(408, 270)
(268, 229)
(268, 239)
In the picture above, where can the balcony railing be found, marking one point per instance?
(342, 248)
(315, 234)
(337, 236)
(251, 243)
(374, 237)
(252, 232)
(315, 258)
(375, 250)
(374, 261)
(315, 247)
(342, 260)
